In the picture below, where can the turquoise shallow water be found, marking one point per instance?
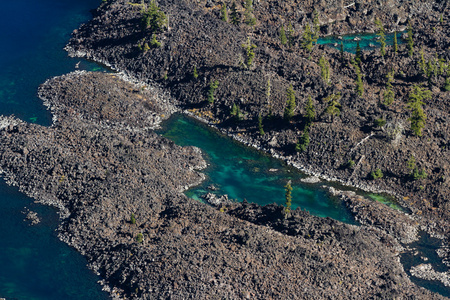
(34, 264)
(244, 173)
(367, 41)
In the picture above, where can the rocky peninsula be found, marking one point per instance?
(119, 185)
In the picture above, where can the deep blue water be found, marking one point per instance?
(34, 264)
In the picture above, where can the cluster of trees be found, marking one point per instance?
(249, 17)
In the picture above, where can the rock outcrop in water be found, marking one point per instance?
(100, 166)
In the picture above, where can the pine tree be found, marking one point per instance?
(303, 142)
(235, 19)
(248, 14)
(316, 26)
(358, 54)
(395, 42)
(310, 112)
(212, 88)
(290, 104)
(381, 34)
(195, 73)
(342, 51)
(260, 124)
(422, 63)
(307, 38)
(249, 47)
(359, 83)
(288, 196)
(324, 69)
(224, 12)
(410, 40)
(333, 105)
(415, 102)
(290, 34)
(283, 36)
(153, 18)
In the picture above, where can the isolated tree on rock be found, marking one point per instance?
(248, 14)
(290, 103)
(310, 112)
(235, 19)
(410, 40)
(224, 12)
(283, 37)
(288, 196)
(415, 103)
(382, 36)
(307, 38)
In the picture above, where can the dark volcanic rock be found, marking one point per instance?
(179, 248)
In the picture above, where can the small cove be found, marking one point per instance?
(244, 173)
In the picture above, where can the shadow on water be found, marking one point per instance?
(244, 173)
(423, 251)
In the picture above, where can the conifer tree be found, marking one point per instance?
(358, 53)
(333, 105)
(235, 19)
(310, 112)
(153, 18)
(324, 69)
(415, 102)
(260, 124)
(303, 142)
(249, 47)
(283, 36)
(195, 73)
(382, 35)
(288, 196)
(248, 14)
(290, 104)
(224, 12)
(395, 42)
(307, 38)
(410, 40)
(290, 34)
(212, 88)
(342, 51)
(359, 83)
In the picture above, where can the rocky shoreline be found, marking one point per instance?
(101, 163)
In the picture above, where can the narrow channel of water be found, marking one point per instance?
(244, 173)
(367, 41)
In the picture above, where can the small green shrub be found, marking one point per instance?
(139, 238)
(377, 174)
(133, 219)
